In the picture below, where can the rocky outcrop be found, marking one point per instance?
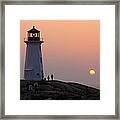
(56, 90)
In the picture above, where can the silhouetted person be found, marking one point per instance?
(52, 76)
(48, 77)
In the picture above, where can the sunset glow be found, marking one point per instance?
(69, 47)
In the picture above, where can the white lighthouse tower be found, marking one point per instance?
(33, 61)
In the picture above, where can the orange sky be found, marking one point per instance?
(70, 48)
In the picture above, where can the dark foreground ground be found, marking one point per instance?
(56, 90)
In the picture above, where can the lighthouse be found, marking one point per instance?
(33, 69)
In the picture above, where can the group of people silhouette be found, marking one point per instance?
(50, 77)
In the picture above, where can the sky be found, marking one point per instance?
(70, 49)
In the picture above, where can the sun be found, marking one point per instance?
(92, 72)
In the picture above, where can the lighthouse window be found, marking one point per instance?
(38, 74)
